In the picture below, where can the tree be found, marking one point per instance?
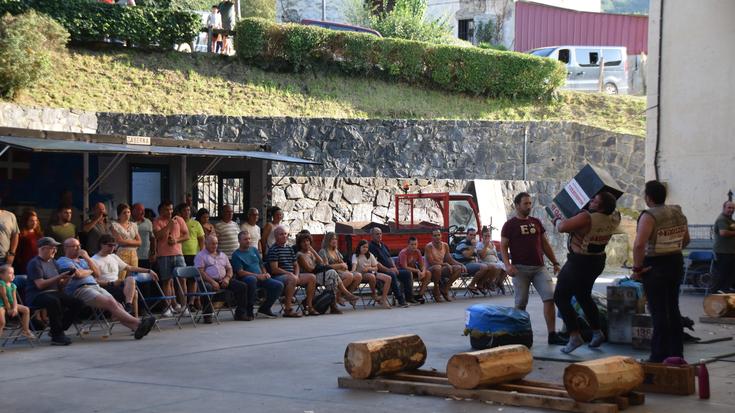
(265, 9)
(408, 20)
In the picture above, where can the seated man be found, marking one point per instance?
(466, 254)
(83, 285)
(216, 272)
(44, 291)
(441, 264)
(388, 267)
(248, 267)
(283, 267)
(410, 259)
(110, 267)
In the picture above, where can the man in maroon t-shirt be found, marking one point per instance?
(525, 236)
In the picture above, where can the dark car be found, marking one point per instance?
(339, 26)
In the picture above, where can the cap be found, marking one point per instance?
(47, 242)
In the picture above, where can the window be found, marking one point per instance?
(148, 185)
(564, 55)
(214, 191)
(543, 52)
(587, 57)
(613, 57)
(466, 29)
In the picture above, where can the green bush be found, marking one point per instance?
(27, 42)
(88, 21)
(408, 20)
(458, 69)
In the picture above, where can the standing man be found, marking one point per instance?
(9, 233)
(523, 244)
(63, 228)
(170, 231)
(216, 270)
(96, 226)
(146, 250)
(724, 249)
(589, 232)
(388, 267)
(251, 227)
(441, 265)
(229, 18)
(248, 267)
(410, 259)
(657, 260)
(227, 231)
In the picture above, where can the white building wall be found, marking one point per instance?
(696, 108)
(296, 10)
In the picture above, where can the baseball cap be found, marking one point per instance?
(47, 242)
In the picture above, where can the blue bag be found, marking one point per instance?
(491, 326)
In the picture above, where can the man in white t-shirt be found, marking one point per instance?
(252, 228)
(110, 266)
(227, 230)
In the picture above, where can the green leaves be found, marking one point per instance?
(88, 21)
(472, 70)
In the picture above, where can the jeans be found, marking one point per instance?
(576, 279)
(406, 282)
(273, 289)
(725, 265)
(661, 284)
(62, 310)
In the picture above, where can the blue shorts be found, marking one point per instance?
(166, 266)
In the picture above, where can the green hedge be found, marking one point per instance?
(89, 21)
(458, 69)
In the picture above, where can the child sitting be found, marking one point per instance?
(9, 302)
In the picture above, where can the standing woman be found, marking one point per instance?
(269, 236)
(30, 233)
(333, 258)
(203, 218)
(365, 263)
(127, 237)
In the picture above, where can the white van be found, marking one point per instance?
(583, 66)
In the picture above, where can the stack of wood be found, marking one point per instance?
(719, 305)
(370, 358)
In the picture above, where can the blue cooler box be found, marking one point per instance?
(492, 326)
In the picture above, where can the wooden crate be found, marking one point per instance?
(521, 393)
(662, 378)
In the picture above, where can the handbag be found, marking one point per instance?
(323, 301)
(320, 268)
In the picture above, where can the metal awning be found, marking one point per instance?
(74, 146)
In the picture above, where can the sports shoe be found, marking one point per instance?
(144, 327)
(597, 339)
(177, 308)
(266, 313)
(61, 340)
(186, 312)
(168, 313)
(555, 339)
(573, 344)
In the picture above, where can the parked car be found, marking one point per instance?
(339, 26)
(583, 66)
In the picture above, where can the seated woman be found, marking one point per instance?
(489, 255)
(365, 263)
(311, 262)
(333, 258)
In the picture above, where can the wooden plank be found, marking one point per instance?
(661, 378)
(420, 378)
(717, 320)
(531, 390)
(496, 396)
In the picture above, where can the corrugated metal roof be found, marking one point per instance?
(539, 25)
(55, 145)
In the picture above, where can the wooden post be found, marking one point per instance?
(602, 378)
(492, 366)
(719, 305)
(369, 358)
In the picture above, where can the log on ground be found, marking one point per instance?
(493, 366)
(719, 305)
(370, 358)
(602, 378)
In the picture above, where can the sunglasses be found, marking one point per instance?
(113, 245)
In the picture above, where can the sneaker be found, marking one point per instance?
(186, 313)
(404, 304)
(243, 317)
(144, 327)
(597, 339)
(168, 313)
(207, 319)
(266, 313)
(572, 344)
(177, 308)
(555, 339)
(61, 340)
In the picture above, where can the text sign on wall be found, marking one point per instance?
(138, 140)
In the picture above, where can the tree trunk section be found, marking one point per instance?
(370, 358)
(598, 379)
(720, 305)
(492, 366)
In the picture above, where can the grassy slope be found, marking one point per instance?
(126, 81)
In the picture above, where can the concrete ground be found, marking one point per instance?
(283, 365)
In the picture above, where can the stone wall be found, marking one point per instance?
(58, 120)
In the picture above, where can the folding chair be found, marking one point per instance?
(698, 271)
(155, 298)
(203, 293)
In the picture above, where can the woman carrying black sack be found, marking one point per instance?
(311, 262)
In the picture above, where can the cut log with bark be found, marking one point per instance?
(602, 378)
(492, 366)
(720, 305)
(370, 358)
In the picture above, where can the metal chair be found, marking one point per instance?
(157, 297)
(698, 271)
(182, 274)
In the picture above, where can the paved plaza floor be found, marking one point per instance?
(285, 365)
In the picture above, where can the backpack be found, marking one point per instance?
(323, 301)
